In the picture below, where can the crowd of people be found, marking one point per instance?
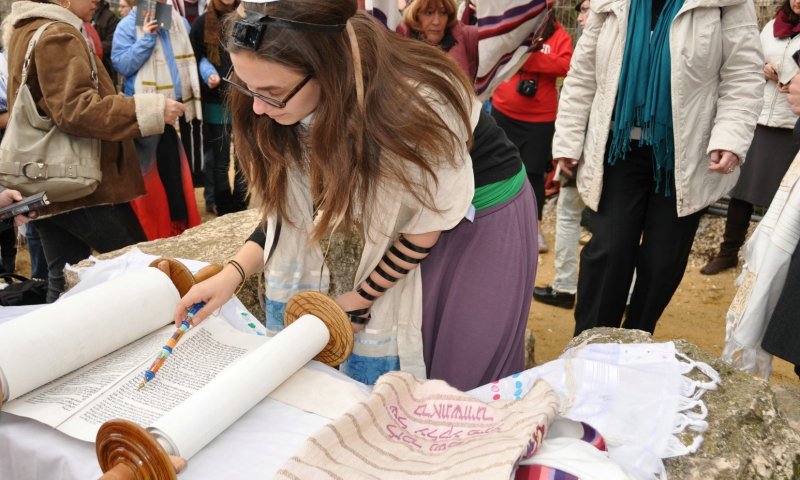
(337, 124)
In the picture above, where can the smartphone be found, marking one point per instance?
(27, 204)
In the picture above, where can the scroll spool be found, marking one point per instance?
(125, 451)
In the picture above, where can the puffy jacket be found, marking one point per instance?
(778, 51)
(717, 87)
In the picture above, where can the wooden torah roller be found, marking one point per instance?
(181, 277)
(125, 451)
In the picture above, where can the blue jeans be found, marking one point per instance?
(38, 261)
(70, 237)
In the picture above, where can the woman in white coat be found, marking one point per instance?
(774, 146)
(682, 83)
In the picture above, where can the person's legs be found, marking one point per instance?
(60, 248)
(8, 249)
(666, 244)
(565, 284)
(737, 221)
(240, 199)
(609, 259)
(208, 176)
(38, 261)
(568, 230)
(225, 199)
(70, 237)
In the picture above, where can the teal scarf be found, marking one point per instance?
(644, 98)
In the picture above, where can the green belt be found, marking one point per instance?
(498, 192)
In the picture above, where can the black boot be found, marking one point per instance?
(736, 225)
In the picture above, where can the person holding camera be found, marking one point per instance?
(525, 107)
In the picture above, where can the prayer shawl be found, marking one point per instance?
(393, 337)
(155, 77)
(645, 399)
(426, 429)
(766, 263)
(504, 35)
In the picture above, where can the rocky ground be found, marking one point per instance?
(696, 313)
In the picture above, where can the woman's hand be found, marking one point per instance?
(215, 292)
(7, 197)
(352, 301)
(794, 95)
(172, 111)
(723, 161)
(150, 26)
(213, 81)
(567, 165)
(770, 72)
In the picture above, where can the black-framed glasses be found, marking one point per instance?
(268, 100)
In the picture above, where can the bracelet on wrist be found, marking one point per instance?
(240, 270)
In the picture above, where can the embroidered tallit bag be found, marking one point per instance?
(409, 428)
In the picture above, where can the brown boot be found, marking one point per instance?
(718, 264)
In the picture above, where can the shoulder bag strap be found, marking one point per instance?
(32, 43)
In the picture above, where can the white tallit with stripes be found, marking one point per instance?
(155, 77)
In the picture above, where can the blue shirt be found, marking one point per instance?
(129, 53)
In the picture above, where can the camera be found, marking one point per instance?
(527, 87)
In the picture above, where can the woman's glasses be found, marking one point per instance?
(268, 100)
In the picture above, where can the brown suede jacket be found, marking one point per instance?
(59, 78)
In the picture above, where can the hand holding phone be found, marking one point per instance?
(24, 206)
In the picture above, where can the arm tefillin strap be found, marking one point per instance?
(413, 247)
(393, 251)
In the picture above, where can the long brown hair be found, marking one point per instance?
(348, 152)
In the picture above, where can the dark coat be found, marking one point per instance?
(782, 338)
(105, 22)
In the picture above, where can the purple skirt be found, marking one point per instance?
(477, 286)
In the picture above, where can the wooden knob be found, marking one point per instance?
(340, 345)
(125, 451)
(181, 277)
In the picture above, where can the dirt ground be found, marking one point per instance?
(696, 313)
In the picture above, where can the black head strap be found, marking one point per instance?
(248, 31)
